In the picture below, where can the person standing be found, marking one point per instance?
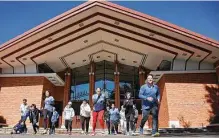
(99, 101)
(150, 95)
(122, 120)
(54, 120)
(24, 111)
(114, 119)
(47, 111)
(69, 113)
(34, 117)
(85, 112)
(129, 113)
(107, 118)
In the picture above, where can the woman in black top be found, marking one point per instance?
(129, 113)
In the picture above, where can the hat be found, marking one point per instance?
(70, 103)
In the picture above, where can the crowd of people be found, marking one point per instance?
(102, 111)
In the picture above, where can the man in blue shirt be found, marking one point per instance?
(150, 95)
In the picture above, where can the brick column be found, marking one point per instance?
(91, 82)
(67, 89)
(116, 81)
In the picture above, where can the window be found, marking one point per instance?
(104, 78)
(164, 66)
(44, 68)
(80, 83)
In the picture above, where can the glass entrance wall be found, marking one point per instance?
(129, 82)
(80, 83)
(104, 78)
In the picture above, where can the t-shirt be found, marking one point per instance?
(49, 101)
(23, 109)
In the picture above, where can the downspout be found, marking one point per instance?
(199, 64)
(8, 64)
(188, 60)
(22, 64)
(174, 60)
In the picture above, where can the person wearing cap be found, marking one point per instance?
(69, 113)
(85, 112)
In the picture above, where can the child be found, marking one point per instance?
(107, 118)
(19, 127)
(69, 113)
(136, 117)
(34, 117)
(114, 119)
(123, 120)
(54, 119)
(85, 112)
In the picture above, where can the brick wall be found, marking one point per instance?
(191, 96)
(13, 90)
(163, 109)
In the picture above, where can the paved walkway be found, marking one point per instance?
(108, 136)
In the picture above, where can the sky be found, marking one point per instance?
(200, 17)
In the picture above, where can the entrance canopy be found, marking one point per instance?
(96, 31)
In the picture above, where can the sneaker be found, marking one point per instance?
(69, 133)
(141, 131)
(45, 131)
(86, 133)
(127, 134)
(93, 134)
(157, 134)
(102, 132)
(82, 132)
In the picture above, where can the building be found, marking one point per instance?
(101, 44)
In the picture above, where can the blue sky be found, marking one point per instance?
(200, 17)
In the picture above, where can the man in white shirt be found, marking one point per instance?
(24, 111)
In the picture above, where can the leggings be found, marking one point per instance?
(68, 125)
(85, 121)
(45, 118)
(130, 122)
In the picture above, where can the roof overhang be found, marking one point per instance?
(52, 77)
(103, 26)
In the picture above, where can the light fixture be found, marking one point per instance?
(85, 41)
(0, 63)
(98, 56)
(109, 56)
(134, 61)
(213, 57)
(198, 56)
(184, 54)
(24, 58)
(116, 22)
(81, 24)
(117, 40)
(84, 60)
(49, 38)
(151, 34)
(12, 61)
(123, 59)
(73, 63)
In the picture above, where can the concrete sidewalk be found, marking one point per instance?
(78, 135)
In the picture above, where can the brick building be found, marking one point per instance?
(101, 44)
